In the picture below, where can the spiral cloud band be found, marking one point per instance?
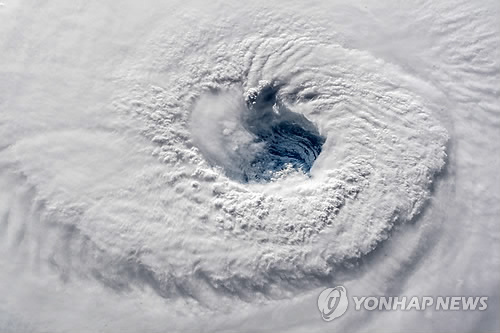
(381, 152)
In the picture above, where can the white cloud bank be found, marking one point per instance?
(117, 211)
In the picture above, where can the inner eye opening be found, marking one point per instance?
(288, 139)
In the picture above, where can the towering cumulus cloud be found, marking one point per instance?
(166, 162)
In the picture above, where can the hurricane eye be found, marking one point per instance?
(255, 136)
(288, 138)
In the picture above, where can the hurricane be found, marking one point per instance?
(193, 166)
